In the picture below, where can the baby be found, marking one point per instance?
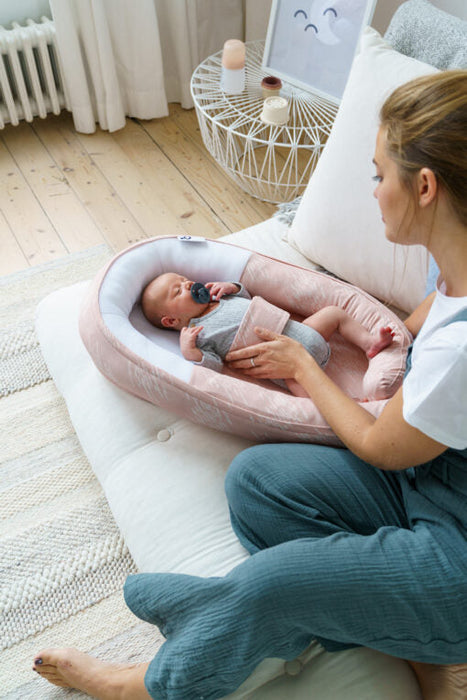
(208, 317)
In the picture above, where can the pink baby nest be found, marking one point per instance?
(147, 362)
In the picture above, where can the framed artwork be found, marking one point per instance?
(312, 43)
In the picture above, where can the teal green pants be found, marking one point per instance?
(341, 552)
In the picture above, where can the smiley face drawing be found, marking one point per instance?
(315, 41)
(328, 21)
(320, 22)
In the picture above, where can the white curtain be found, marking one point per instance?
(131, 57)
(190, 31)
(111, 60)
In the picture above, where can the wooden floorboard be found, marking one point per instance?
(64, 192)
(12, 257)
(168, 187)
(117, 225)
(24, 214)
(180, 139)
(49, 185)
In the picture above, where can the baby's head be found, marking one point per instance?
(167, 301)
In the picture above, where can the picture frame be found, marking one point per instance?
(311, 43)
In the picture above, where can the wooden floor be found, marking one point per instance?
(64, 192)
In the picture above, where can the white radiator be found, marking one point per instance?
(30, 75)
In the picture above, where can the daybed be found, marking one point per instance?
(163, 475)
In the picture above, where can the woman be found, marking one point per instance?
(357, 546)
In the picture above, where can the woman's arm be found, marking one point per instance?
(387, 442)
(417, 318)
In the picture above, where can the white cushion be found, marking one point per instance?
(338, 223)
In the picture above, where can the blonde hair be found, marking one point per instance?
(425, 123)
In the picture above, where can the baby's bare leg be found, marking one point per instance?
(69, 668)
(331, 319)
(326, 321)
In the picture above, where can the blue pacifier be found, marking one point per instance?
(200, 293)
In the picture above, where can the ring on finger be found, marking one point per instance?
(252, 360)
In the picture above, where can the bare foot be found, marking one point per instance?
(70, 668)
(382, 338)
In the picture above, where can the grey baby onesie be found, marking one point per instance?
(221, 324)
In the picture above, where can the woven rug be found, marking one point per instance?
(62, 559)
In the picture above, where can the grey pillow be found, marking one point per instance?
(422, 31)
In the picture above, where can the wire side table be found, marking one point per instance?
(272, 163)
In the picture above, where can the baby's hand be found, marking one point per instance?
(220, 289)
(188, 343)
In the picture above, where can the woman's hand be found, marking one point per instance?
(279, 357)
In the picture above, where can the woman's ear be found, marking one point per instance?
(427, 186)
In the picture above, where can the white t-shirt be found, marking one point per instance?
(435, 390)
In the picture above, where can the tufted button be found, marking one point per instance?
(293, 668)
(164, 435)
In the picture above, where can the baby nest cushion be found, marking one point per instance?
(147, 361)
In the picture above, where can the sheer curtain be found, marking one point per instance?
(123, 58)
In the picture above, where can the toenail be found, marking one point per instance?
(38, 662)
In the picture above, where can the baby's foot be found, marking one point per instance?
(382, 338)
(70, 668)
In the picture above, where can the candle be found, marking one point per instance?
(275, 111)
(271, 86)
(233, 67)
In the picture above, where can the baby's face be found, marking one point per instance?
(173, 291)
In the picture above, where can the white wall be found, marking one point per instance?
(20, 10)
(257, 13)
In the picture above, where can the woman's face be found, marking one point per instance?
(395, 201)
